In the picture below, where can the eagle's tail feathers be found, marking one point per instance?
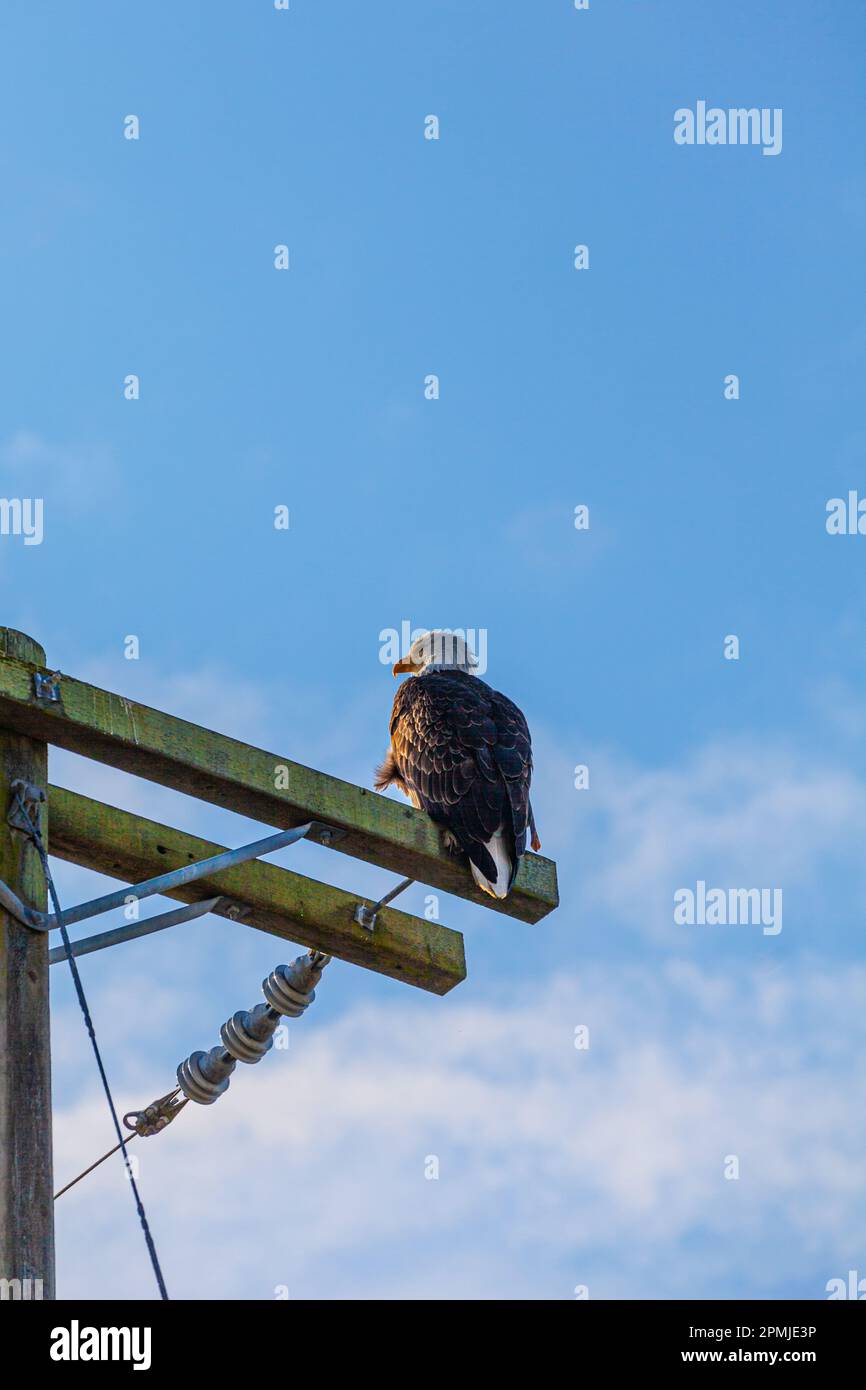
(498, 884)
(386, 772)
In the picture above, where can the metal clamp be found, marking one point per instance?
(25, 807)
(154, 1118)
(47, 687)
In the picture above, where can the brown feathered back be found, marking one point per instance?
(464, 751)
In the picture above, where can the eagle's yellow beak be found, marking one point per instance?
(401, 667)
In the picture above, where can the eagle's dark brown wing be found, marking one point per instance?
(465, 752)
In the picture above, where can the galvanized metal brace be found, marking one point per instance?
(26, 802)
(174, 918)
(176, 878)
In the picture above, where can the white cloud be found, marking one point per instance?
(556, 1166)
(735, 813)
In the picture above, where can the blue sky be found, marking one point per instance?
(558, 1168)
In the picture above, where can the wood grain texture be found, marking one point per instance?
(26, 1178)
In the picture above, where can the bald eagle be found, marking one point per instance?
(461, 752)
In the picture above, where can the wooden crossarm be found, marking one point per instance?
(280, 902)
(264, 786)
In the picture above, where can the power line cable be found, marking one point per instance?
(36, 836)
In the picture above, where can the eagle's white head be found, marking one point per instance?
(437, 651)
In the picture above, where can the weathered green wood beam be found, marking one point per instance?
(280, 902)
(261, 785)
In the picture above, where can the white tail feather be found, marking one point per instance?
(497, 848)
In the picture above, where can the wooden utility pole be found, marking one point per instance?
(38, 707)
(26, 1178)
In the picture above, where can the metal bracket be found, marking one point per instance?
(325, 834)
(366, 916)
(29, 797)
(47, 687)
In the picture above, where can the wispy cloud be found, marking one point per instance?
(556, 1166)
(74, 476)
(543, 538)
(735, 812)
